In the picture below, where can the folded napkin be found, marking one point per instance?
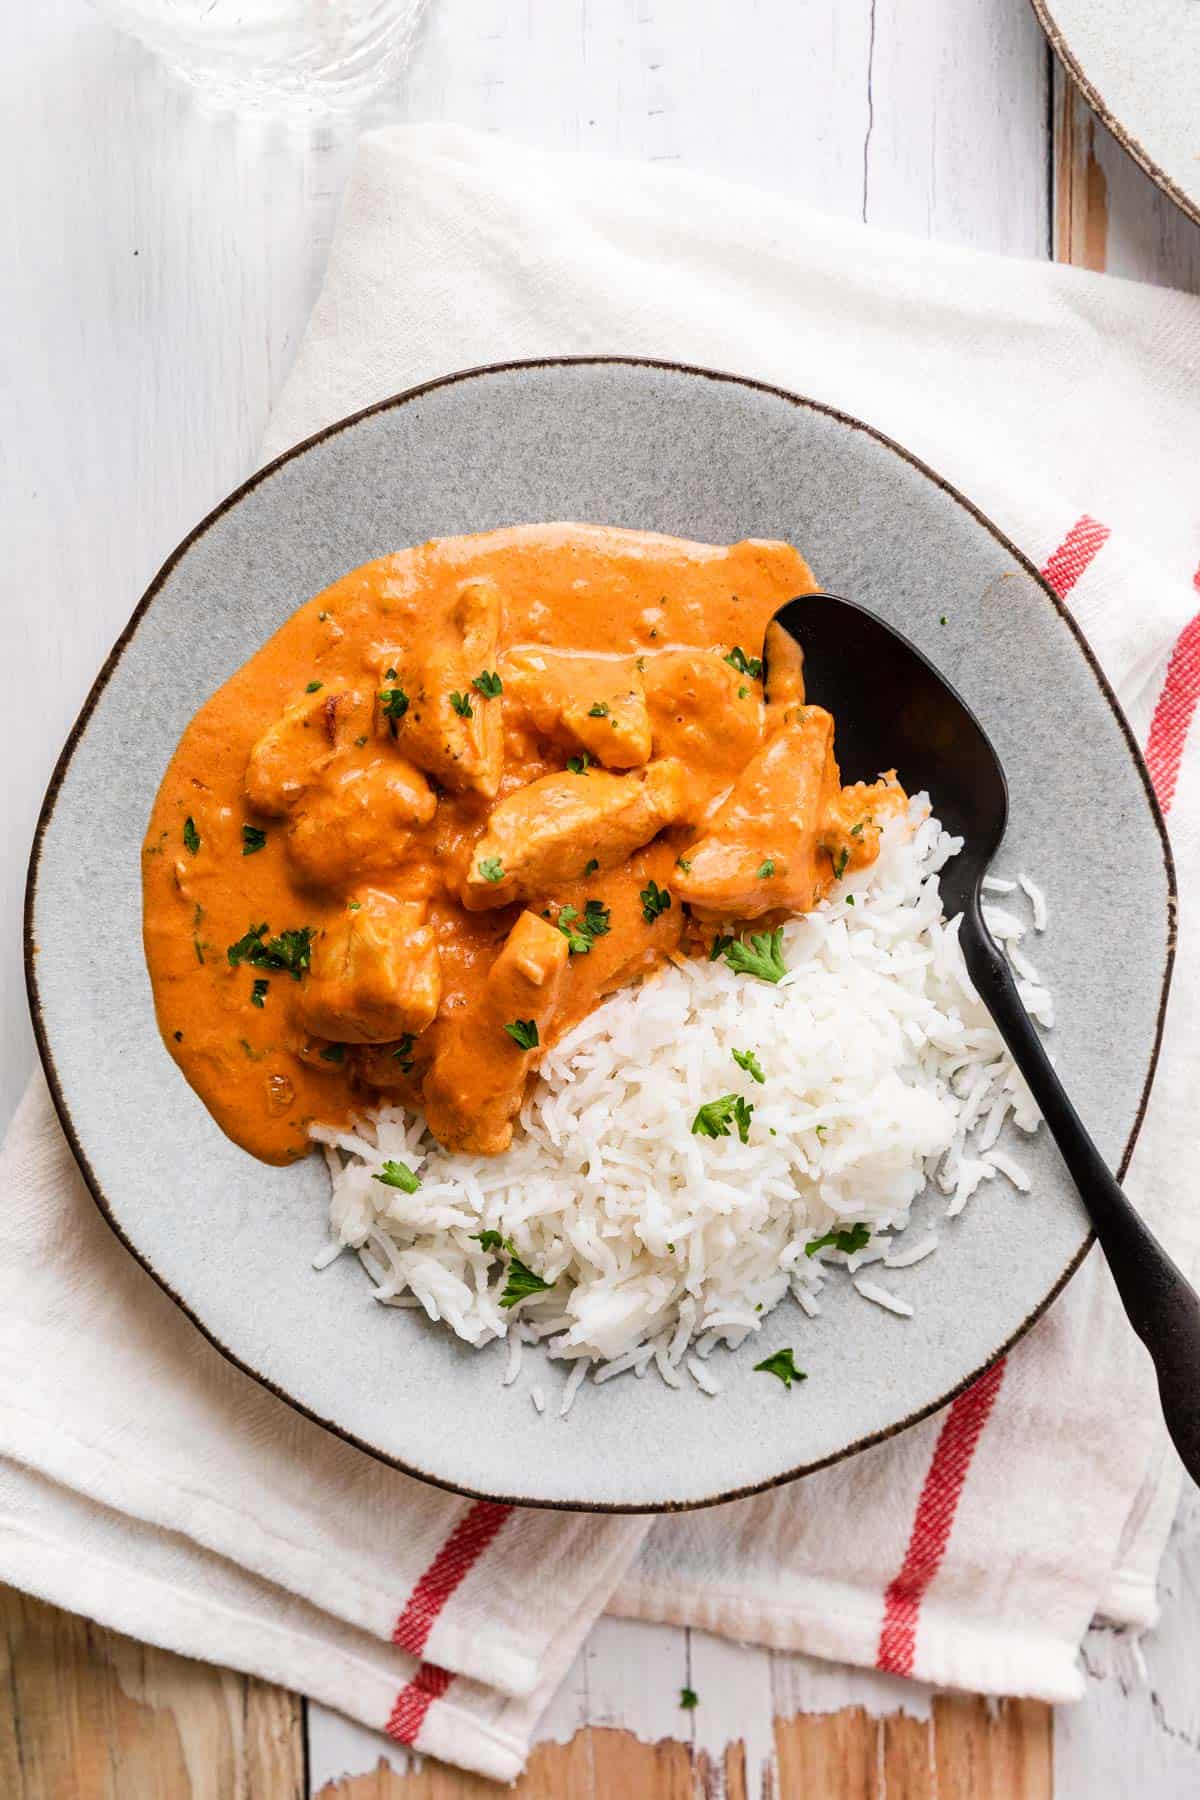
(146, 1482)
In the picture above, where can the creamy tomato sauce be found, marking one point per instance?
(462, 795)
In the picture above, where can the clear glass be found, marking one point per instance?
(303, 57)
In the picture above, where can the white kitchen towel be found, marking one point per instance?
(148, 1483)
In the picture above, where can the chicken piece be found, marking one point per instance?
(545, 835)
(783, 660)
(446, 725)
(476, 1082)
(357, 821)
(592, 703)
(375, 974)
(705, 712)
(763, 850)
(294, 752)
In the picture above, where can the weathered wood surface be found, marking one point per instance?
(162, 266)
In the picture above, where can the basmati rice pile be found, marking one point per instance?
(881, 1070)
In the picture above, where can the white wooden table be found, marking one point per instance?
(159, 269)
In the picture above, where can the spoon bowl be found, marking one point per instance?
(894, 709)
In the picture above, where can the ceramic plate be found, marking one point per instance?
(701, 456)
(1138, 64)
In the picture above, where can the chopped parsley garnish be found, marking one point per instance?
(766, 869)
(290, 953)
(491, 868)
(521, 1283)
(848, 1239)
(488, 684)
(742, 692)
(762, 956)
(198, 947)
(655, 900)
(252, 839)
(856, 830)
(590, 866)
(178, 1036)
(578, 765)
(462, 705)
(521, 1279)
(745, 665)
(398, 1175)
(688, 1698)
(839, 867)
(334, 1053)
(258, 992)
(849, 899)
(523, 1032)
(720, 945)
(682, 862)
(746, 1059)
(581, 929)
(389, 674)
(314, 687)
(403, 1053)
(354, 906)
(191, 837)
(715, 1117)
(395, 703)
(942, 620)
(782, 1365)
(599, 711)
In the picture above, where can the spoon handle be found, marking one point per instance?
(1162, 1305)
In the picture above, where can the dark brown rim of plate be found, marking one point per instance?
(114, 657)
(1142, 157)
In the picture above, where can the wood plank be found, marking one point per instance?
(90, 1715)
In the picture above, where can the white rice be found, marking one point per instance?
(883, 1070)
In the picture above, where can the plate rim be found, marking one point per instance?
(108, 669)
(1056, 38)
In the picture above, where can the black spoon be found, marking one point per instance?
(893, 710)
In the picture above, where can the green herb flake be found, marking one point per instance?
(395, 703)
(720, 945)
(581, 929)
(462, 705)
(839, 867)
(682, 862)
(491, 868)
(523, 1032)
(655, 900)
(354, 906)
(762, 956)
(290, 953)
(360, 742)
(847, 1239)
(766, 869)
(489, 684)
(688, 1699)
(942, 620)
(314, 687)
(745, 665)
(857, 830)
(578, 765)
(403, 1053)
(521, 1282)
(743, 692)
(398, 1175)
(783, 1366)
(252, 839)
(599, 711)
(258, 992)
(590, 866)
(178, 1035)
(198, 947)
(191, 837)
(849, 899)
(716, 1116)
(746, 1059)
(491, 1240)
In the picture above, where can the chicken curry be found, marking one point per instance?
(465, 793)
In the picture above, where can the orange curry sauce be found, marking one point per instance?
(480, 783)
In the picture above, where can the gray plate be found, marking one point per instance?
(703, 456)
(1138, 65)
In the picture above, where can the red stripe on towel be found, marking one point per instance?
(1174, 713)
(968, 1415)
(935, 1515)
(457, 1556)
(414, 1701)
(1075, 555)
